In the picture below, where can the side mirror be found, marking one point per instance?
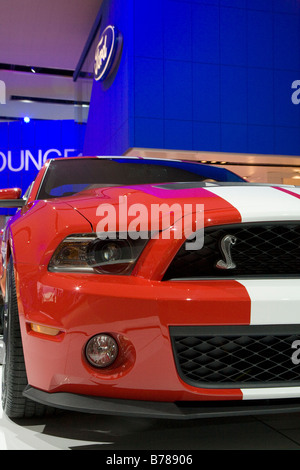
(11, 198)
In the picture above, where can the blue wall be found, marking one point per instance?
(25, 147)
(211, 75)
(110, 123)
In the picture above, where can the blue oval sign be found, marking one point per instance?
(105, 52)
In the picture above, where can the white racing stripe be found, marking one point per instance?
(270, 393)
(291, 189)
(273, 301)
(260, 203)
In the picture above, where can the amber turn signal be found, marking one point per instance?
(46, 330)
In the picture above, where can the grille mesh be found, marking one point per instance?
(236, 357)
(260, 250)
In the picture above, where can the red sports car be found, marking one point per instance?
(147, 287)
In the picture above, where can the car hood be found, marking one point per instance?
(221, 202)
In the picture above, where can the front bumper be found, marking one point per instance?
(139, 312)
(160, 410)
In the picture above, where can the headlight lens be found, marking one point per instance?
(88, 253)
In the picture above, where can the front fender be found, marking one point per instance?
(37, 231)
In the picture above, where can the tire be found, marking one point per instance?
(1, 314)
(14, 376)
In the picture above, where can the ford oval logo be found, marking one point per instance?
(105, 52)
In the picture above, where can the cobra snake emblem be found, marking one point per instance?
(226, 243)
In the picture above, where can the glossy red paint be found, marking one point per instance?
(137, 309)
(11, 193)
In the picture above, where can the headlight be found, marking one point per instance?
(88, 253)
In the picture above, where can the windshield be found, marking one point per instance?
(70, 176)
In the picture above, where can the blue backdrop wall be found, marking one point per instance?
(25, 147)
(110, 124)
(213, 75)
(206, 75)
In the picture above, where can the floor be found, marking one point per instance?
(78, 431)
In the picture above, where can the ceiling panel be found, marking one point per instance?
(45, 33)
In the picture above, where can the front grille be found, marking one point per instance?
(237, 356)
(271, 249)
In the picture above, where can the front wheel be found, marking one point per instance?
(1, 314)
(14, 377)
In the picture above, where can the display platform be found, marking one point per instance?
(79, 431)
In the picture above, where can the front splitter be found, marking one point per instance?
(159, 410)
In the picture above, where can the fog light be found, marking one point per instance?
(101, 350)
